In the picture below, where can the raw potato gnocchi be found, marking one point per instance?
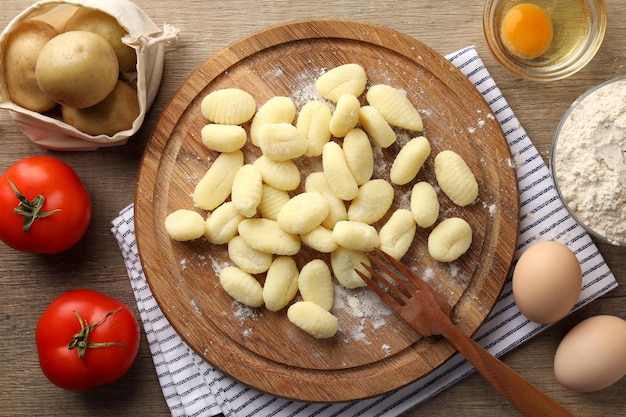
(281, 283)
(320, 238)
(267, 236)
(222, 224)
(215, 186)
(424, 204)
(316, 284)
(397, 234)
(314, 124)
(228, 106)
(395, 107)
(242, 286)
(183, 225)
(278, 109)
(376, 126)
(272, 200)
(341, 206)
(344, 261)
(344, 79)
(223, 138)
(247, 258)
(455, 178)
(281, 141)
(357, 236)
(337, 172)
(283, 175)
(246, 190)
(345, 116)
(372, 202)
(316, 181)
(409, 160)
(357, 150)
(313, 319)
(449, 239)
(303, 212)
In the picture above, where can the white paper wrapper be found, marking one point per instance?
(144, 36)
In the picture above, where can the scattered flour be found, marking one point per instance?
(589, 161)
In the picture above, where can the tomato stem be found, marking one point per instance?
(31, 210)
(80, 340)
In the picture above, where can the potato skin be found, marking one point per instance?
(114, 114)
(105, 25)
(77, 69)
(20, 57)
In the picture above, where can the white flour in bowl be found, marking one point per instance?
(589, 161)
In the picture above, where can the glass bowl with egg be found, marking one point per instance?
(544, 40)
(588, 160)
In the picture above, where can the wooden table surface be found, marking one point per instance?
(30, 282)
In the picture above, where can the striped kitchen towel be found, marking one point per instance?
(193, 388)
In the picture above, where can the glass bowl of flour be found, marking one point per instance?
(588, 160)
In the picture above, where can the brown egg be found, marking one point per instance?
(592, 356)
(547, 281)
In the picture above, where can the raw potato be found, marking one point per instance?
(105, 25)
(449, 239)
(77, 69)
(114, 114)
(313, 319)
(20, 57)
(183, 225)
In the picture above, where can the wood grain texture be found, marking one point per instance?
(286, 60)
(29, 282)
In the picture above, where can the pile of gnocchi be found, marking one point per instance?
(253, 206)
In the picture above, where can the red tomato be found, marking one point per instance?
(44, 206)
(86, 339)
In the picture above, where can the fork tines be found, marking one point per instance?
(390, 279)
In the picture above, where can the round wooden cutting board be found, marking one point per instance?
(374, 351)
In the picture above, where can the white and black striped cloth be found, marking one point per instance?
(193, 388)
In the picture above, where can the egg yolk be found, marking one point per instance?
(526, 30)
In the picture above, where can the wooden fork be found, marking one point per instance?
(429, 313)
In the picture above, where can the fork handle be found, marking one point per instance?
(522, 394)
